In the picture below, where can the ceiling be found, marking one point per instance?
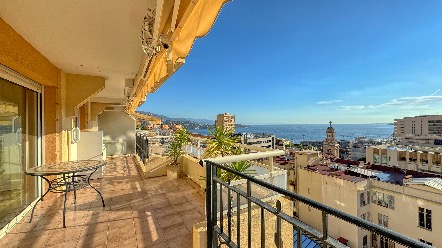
(98, 37)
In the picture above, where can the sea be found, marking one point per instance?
(316, 132)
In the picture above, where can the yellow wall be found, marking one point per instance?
(79, 89)
(407, 201)
(194, 171)
(20, 56)
(310, 185)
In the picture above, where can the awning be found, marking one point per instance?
(194, 20)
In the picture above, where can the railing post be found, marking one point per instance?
(324, 229)
(214, 205)
(249, 214)
(278, 239)
(209, 204)
(299, 237)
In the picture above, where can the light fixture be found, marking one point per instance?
(147, 32)
(149, 45)
(76, 132)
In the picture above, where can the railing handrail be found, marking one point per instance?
(397, 237)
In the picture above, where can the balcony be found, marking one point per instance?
(163, 212)
(156, 212)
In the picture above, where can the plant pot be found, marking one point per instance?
(173, 171)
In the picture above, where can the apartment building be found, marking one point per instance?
(419, 129)
(377, 194)
(414, 158)
(258, 139)
(226, 120)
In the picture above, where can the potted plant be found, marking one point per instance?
(179, 138)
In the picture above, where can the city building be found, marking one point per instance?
(415, 158)
(378, 194)
(71, 67)
(258, 139)
(424, 129)
(226, 120)
(330, 146)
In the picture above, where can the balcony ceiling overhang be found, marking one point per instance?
(102, 38)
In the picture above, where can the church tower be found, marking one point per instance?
(330, 146)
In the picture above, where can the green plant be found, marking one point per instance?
(180, 138)
(223, 143)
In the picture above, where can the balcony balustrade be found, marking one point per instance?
(224, 210)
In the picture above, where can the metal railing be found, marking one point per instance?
(142, 147)
(216, 220)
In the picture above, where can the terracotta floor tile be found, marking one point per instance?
(183, 241)
(155, 212)
(174, 231)
(170, 220)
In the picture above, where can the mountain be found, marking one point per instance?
(182, 119)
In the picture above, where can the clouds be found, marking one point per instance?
(328, 102)
(414, 102)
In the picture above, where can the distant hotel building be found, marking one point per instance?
(227, 120)
(424, 129)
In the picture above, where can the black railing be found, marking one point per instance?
(142, 147)
(216, 232)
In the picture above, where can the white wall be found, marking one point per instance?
(118, 132)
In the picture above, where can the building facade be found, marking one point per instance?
(258, 139)
(419, 129)
(226, 120)
(381, 201)
(414, 158)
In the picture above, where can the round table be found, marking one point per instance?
(74, 175)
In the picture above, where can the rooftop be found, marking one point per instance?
(155, 212)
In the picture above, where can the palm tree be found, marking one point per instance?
(223, 143)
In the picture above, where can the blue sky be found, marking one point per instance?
(280, 62)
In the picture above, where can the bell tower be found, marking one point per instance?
(330, 146)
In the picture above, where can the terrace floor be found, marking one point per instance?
(155, 212)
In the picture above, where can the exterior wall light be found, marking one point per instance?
(76, 132)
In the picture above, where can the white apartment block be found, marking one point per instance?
(413, 207)
(226, 120)
(418, 129)
(258, 139)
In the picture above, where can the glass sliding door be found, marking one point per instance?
(19, 148)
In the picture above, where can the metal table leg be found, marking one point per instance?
(41, 198)
(65, 197)
(89, 182)
(75, 189)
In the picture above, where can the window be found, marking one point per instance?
(425, 218)
(425, 242)
(19, 146)
(366, 216)
(381, 199)
(365, 242)
(364, 199)
(386, 243)
(383, 220)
